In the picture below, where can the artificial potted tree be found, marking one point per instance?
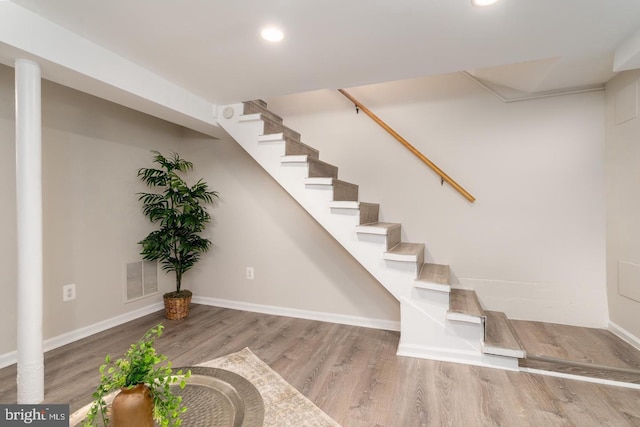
(142, 381)
(179, 210)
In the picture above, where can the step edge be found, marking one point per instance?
(253, 117)
(463, 317)
(372, 228)
(271, 137)
(325, 180)
(319, 181)
(349, 204)
(504, 351)
(400, 257)
(432, 286)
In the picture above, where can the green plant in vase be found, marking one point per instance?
(179, 210)
(141, 364)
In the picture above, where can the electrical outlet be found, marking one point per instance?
(250, 275)
(69, 292)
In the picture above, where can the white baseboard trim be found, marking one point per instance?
(342, 319)
(11, 357)
(457, 356)
(624, 334)
(8, 359)
(580, 378)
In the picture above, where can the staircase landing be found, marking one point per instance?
(589, 354)
(573, 350)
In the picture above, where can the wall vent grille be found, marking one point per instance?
(142, 280)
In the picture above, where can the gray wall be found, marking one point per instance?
(92, 221)
(533, 244)
(297, 264)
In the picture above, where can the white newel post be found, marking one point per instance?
(30, 376)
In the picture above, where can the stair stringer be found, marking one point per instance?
(425, 331)
(268, 152)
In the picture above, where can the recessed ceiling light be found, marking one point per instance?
(481, 3)
(272, 34)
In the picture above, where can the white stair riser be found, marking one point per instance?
(411, 268)
(429, 329)
(426, 298)
(300, 167)
(379, 240)
(345, 211)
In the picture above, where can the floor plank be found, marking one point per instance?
(351, 373)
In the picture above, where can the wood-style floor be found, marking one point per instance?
(351, 373)
(585, 345)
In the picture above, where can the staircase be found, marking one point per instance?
(437, 321)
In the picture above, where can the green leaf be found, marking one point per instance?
(140, 364)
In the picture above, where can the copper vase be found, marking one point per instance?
(132, 407)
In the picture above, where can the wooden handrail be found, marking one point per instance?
(410, 147)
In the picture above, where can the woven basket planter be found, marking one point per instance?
(177, 307)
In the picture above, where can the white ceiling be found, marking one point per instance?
(212, 48)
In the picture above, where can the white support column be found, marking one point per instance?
(29, 214)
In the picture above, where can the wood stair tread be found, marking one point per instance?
(295, 146)
(500, 338)
(260, 107)
(342, 190)
(368, 212)
(435, 273)
(406, 252)
(347, 204)
(317, 168)
(302, 158)
(320, 168)
(273, 127)
(464, 306)
(465, 301)
(405, 248)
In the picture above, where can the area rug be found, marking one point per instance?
(284, 405)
